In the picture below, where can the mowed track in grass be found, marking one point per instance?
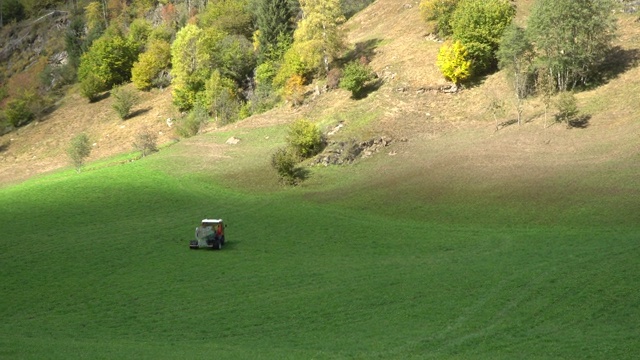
(97, 265)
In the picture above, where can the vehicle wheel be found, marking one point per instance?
(219, 245)
(222, 240)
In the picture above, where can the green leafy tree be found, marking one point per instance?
(355, 76)
(20, 110)
(11, 10)
(478, 25)
(229, 16)
(453, 61)
(139, 32)
(150, 64)
(439, 12)
(221, 98)
(567, 107)
(572, 38)
(319, 39)
(305, 138)
(109, 59)
(79, 150)
(193, 56)
(515, 55)
(285, 162)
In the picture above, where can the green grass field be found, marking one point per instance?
(350, 265)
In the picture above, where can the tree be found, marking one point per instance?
(453, 61)
(305, 138)
(440, 12)
(478, 25)
(274, 20)
(79, 150)
(229, 16)
(109, 59)
(150, 64)
(515, 55)
(220, 98)
(318, 39)
(192, 56)
(567, 107)
(572, 38)
(123, 100)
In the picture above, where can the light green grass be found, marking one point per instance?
(97, 265)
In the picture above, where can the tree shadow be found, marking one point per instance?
(362, 49)
(368, 89)
(300, 174)
(138, 112)
(617, 62)
(103, 96)
(580, 122)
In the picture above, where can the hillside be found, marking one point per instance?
(407, 105)
(455, 241)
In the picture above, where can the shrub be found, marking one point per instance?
(305, 138)
(479, 25)
(123, 100)
(440, 12)
(146, 141)
(139, 31)
(453, 61)
(19, 111)
(567, 107)
(79, 150)
(220, 98)
(190, 125)
(91, 86)
(285, 161)
(355, 76)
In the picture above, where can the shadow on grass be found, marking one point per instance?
(581, 122)
(617, 62)
(138, 112)
(103, 96)
(362, 49)
(368, 89)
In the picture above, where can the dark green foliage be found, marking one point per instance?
(91, 86)
(515, 55)
(11, 10)
(355, 77)
(19, 111)
(236, 59)
(123, 100)
(79, 150)
(109, 59)
(190, 125)
(572, 38)
(139, 32)
(440, 12)
(74, 41)
(230, 16)
(305, 138)
(285, 162)
(274, 20)
(478, 25)
(351, 7)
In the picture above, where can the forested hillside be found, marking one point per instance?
(117, 70)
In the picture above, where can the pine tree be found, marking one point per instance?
(274, 21)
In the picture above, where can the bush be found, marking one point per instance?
(454, 63)
(305, 138)
(190, 125)
(567, 107)
(79, 150)
(146, 141)
(123, 100)
(440, 12)
(91, 86)
(333, 78)
(479, 25)
(18, 111)
(285, 161)
(355, 76)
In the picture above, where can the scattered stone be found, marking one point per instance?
(346, 152)
(170, 122)
(233, 140)
(336, 128)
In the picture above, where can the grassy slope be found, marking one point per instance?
(465, 244)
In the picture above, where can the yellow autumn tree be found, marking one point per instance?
(453, 61)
